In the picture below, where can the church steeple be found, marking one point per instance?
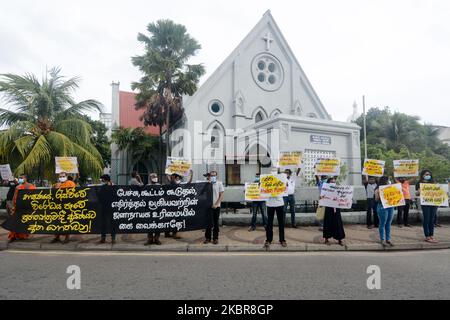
(355, 115)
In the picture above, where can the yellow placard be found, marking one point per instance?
(406, 168)
(273, 185)
(178, 165)
(328, 167)
(252, 192)
(392, 196)
(434, 194)
(66, 164)
(374, 168)
(290, 159)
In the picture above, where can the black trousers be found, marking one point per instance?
(280, 217)
(213, 224)
(371, 209)
(403, 213)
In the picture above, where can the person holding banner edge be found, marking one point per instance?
(429, 212)
(23, 185)
(62, 183)
(104, 191)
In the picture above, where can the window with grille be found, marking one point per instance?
(309, 160)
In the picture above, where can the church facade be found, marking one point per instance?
(257, 103)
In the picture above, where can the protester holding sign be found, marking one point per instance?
(23, 185)
(63, 183)
(275, 204)
(153, 237)
(428, 211)
(403, 211)
(384, 215)
(213, 221)
(257, 204)
(332, 223)
(289, 200)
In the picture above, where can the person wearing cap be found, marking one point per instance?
(214, 212)
(174, 180)
(104, 191)
(289, 200)
(153, 237)
(63, 182)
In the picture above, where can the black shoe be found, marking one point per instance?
(66, 240)
(167, 235)
(369, 227)
(149, 241)
(390, 243)
(157, 242)
(267, 244)
(215, 241)
(102, 240)
(207, 241)
(55, 240)
(283, 244)
(400, 226)
(294, 226)
(113, 241)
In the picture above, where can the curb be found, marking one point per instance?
(307, 247)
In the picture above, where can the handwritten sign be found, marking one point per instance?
(5, 172)
(392, 196)
(273, 185)
(335, 196)
(291, 159)
(119, 209)
(374, 168)
(434, 194)
(406, 168)
(66, 164)
(252, 192)
(328, 167)
(179, 166)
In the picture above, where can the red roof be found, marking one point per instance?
(129, 116)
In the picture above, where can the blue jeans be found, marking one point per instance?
(385, 219)
(429, 219)
(290, 200)
(254, 208)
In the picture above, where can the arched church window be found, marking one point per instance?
(259, 117)
(215, 137)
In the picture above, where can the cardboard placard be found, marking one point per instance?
(66, 164)
(406, 168)
(392, 196)
(179, 166)
(273, 185)
(434, 194)
(336, 196)
(374, 168)
(327, 167)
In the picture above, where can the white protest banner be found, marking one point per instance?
(66, 164)
(434, 194)
(336, 196)
(327, 167)
(5, 172)
(252, 192)
(406, 168)
(180, 166)
(392, 195)
(273, 185)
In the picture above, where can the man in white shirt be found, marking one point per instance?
(290, 198)
(275, 205)
(213, 221)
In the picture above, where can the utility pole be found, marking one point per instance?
(364, 125)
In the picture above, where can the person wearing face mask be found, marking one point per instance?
(174, 180)
(23, 185)
(384, 215)
(370, 186)
(429, 212)
(214, 212)
(275, 205)
(403, 211)
(257, 205)
(289, 200)
(332, 223)
(153, 237)
(63, 182)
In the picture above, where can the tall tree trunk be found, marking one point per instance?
(160, 157)
(168, 151)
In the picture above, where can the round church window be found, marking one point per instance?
(216, 107)
(267, 72)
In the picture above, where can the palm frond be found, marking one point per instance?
(39, 153)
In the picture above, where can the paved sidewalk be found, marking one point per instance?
(238, 238)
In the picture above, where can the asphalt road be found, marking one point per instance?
(340, 275)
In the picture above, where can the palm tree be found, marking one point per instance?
(46, 123)
(138, 144)
(167, 76)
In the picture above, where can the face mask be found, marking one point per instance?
(427, 178)
(21, 181)
(257, 179)
(62, 179)
(213, 179)
(389, 182)
(154, 180)
(177, 181)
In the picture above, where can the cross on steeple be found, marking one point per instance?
(268, 40)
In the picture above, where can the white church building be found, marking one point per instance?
(261, 87)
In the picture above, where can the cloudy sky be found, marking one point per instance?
(397, 53)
